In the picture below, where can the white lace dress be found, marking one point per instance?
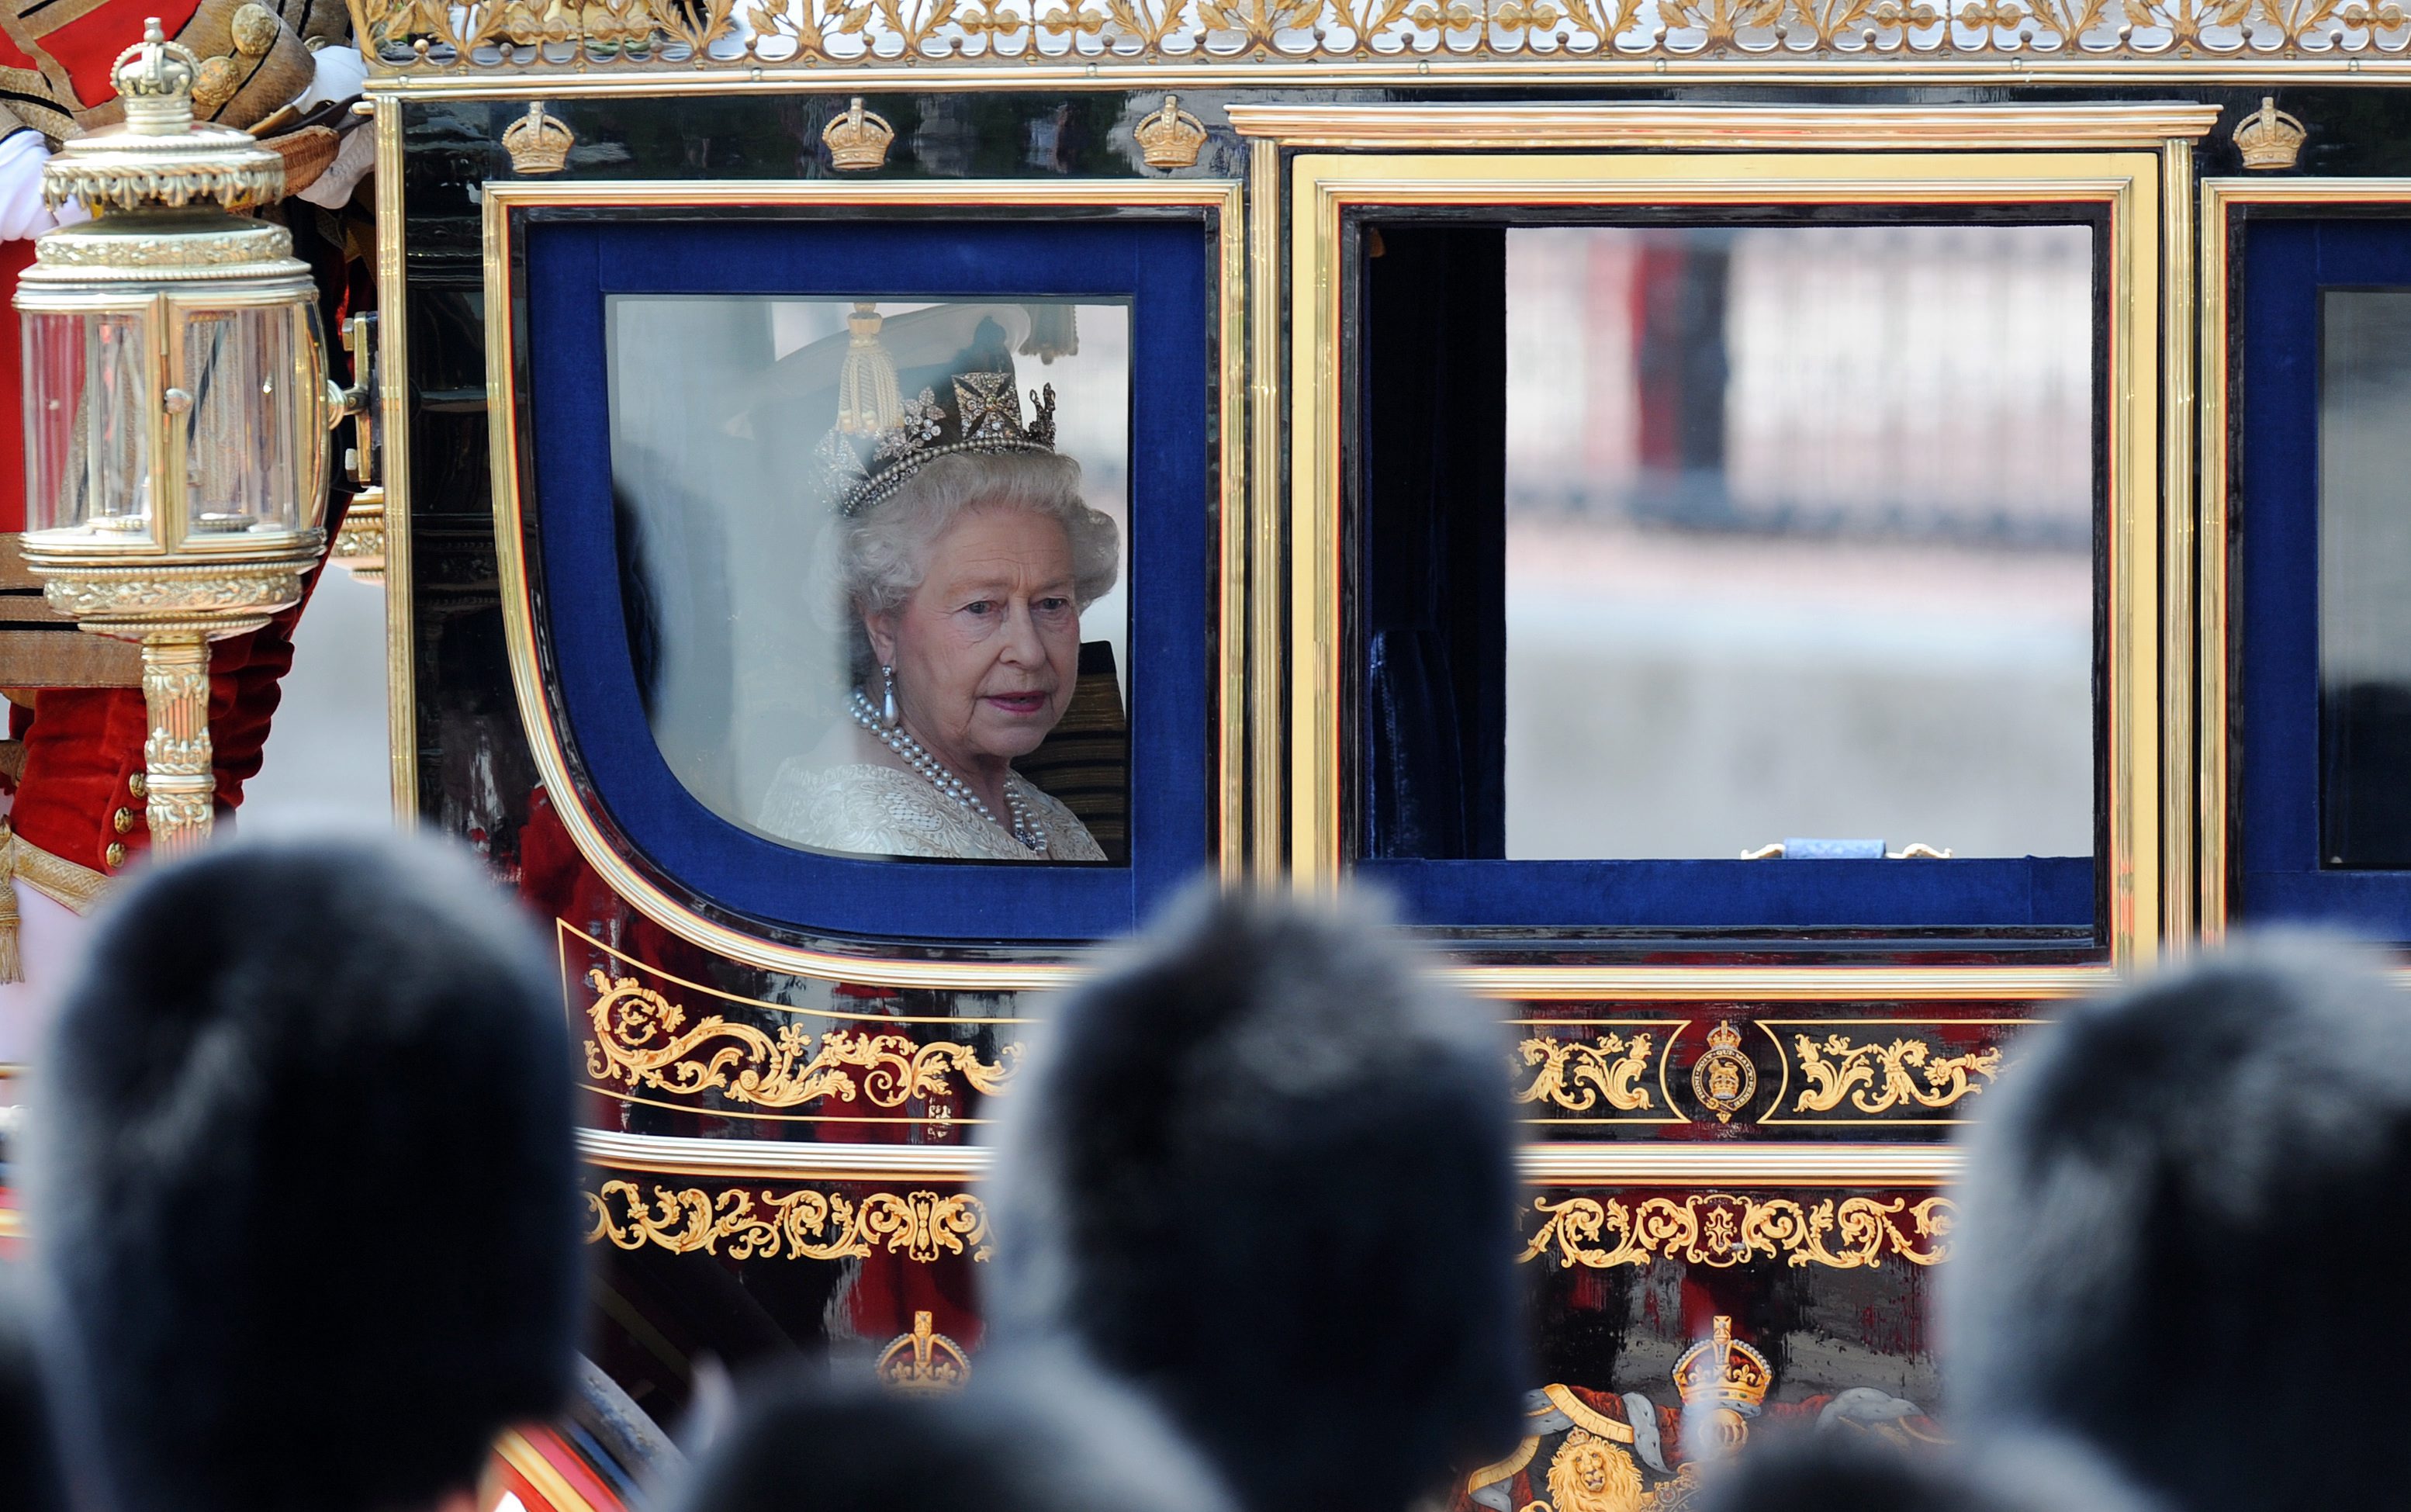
(868, 810)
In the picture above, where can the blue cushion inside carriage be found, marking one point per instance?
(2280, 782)
(1159, 265)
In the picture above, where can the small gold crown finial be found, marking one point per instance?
(2269, 139)
(857, 139)
(154, 77)
(538, 142)
(1170, 138)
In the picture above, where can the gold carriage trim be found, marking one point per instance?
(802, 1224)
(1166, 39)
(1578, 1077)
(642, 1041)
(1721, 1230)
(1877, 1078)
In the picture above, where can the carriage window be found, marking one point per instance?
(1797, 532)
(2364, 553)
(894, 624)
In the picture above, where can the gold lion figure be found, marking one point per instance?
(1590, 1474)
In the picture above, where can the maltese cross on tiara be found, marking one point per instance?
(987, 419)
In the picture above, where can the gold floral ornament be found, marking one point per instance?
(2269, 139)
(1578, 1077)
(1877, 1079)
(1170, 138)
(1721, 1230)
(923, 1360)
(639, 1043)
(857, 139)
(538, 142)
(803, 1225)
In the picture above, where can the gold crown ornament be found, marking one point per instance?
(857, 139)
(538, 142)
(155, 78)
(1170, 138)
(924, 1362)
(1725, 1379)
(2269, 139)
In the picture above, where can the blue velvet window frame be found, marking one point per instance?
(1160, 265)
(2285, 264)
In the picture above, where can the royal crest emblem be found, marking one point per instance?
(1723, 1079)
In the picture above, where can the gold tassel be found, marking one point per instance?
(11, 962)
(866, 401)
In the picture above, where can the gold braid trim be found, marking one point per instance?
(55, 877)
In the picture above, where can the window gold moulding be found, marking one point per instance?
(1756, 128)
(1221, 200)
(1635, 1163)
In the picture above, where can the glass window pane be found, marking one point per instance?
(239, 445)
(2364, 557)
(1800, 539)
(88, 451)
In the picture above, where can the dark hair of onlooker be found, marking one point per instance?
(302, 1188)
(2183, 1225)
(1036, 1432)
(1850, 1472)
(1266, 1168)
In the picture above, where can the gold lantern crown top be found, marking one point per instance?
(161, 159)
(2269, 137)
(1721, 1371)
(154, 77)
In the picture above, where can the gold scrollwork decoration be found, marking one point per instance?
(1877, 1077)
(431, 35)
(637, 1042)
(1578, 1077)
(800, 1225)
(1721, 1230)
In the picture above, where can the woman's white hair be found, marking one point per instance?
(882, 557)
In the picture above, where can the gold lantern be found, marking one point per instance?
(176, 407)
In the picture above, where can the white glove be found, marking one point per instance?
(333, 189)
(22, 215)
(341, 73)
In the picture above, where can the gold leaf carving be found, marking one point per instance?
(801, 1225)
(1877, 1077)
(637, 1042)
(1577, 1076)
(1720, 1230)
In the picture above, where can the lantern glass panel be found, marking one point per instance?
(242, 460)
(89, 401)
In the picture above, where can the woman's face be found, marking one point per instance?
(986, 650)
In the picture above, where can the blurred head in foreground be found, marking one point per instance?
(1266, 1168)
(1849, 1473)
(1034, 1431)
(29, 1478)
(2181, 1228)
(302, 1189)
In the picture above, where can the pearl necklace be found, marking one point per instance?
(916, 755)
